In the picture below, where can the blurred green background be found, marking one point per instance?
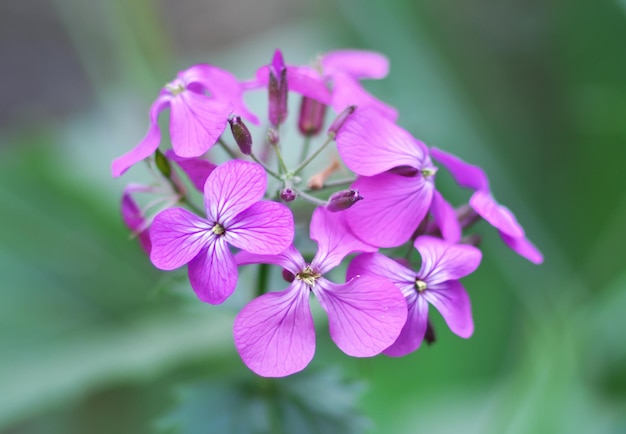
(94, 340)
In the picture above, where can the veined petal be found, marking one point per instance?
(498, 216)
(465, 174)
(197, 169)
(414, 329)
(148, 144)
(445, 217)
(376, 264)
(348, 91)
(290, 259)
(222, 85)
(356, 63)
(392, 208)
(196, 122)
(370, 144)
(265, 228)
(335, 240)
(231, 188)
(443, 261)
(523, 247)
(274, 333)
(177, 237)
(365, 315)
(213, 273)
(452, 301)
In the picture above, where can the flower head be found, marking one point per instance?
(435, 283)
(197, 119)
(274, 333)
(235, 216)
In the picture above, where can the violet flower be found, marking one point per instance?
(197, 169)
(274, 333)
(484, 204)
(235, 216)
(435, 283)
(197, 120)
(397, 181)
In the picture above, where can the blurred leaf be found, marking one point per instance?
(309, 402)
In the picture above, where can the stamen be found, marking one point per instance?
(218, 229)
(308, 276)
(420, 285)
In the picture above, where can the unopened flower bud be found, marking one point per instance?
(343, 200)
(312, 114)
(242, 135)
(288, 276)
(278, 97)
(340, 120)
(287, 194)
(272, 137)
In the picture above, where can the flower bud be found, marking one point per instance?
(343, 200)
(288, 276)
(242, 135)
(312, 114)
(277, 89)
(287, 194)
(340, 120)
(272, 137)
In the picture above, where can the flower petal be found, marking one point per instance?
(523, 247)
(148, 144)
(265, 228)
(222, 85)
(356, 63)
(495, 214)
(136, 221)
(445, 217)
(452, 301)
(307, 82)
(442, 261)
(465, 174)
(177, 236)
(370, 144)
(197, 169)
(290, 259)
(213, 273)
(392, 208)
(196, 122)
(348, 91)
(414, 329)
(376, 264)
(365, 315)
(231, 188)
(274, 333)
(334, 238)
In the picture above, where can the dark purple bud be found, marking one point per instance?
(242, 135)
(272, 137)
(312, 113)
(340, 120)
(288, 276)
(278, 97)
(343, 200)
(287, 194)
(430, 337)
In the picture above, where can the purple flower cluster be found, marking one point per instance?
(390, 203)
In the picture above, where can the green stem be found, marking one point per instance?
(314, 200)
(228, 149)
(281, 162)
(262, 279)
(312, 156)
(305, 148)
(267, 169)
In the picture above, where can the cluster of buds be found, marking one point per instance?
(390, 202)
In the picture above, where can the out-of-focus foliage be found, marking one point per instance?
(93, 339)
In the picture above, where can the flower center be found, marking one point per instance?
(175, 88)
(218, 229)
(420, 285)
(428, 171)
(308, 276)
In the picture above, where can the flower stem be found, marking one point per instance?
(281, 162)
(305, 148)
(312, 156)
(267, 169)
(228, 149)
(314, 200)
(262, 279)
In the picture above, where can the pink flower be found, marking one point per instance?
(197, 120)
(196, 169)
(235, 216)
(396, 182)
(484, 204)
(436, 283)
(274, 333)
